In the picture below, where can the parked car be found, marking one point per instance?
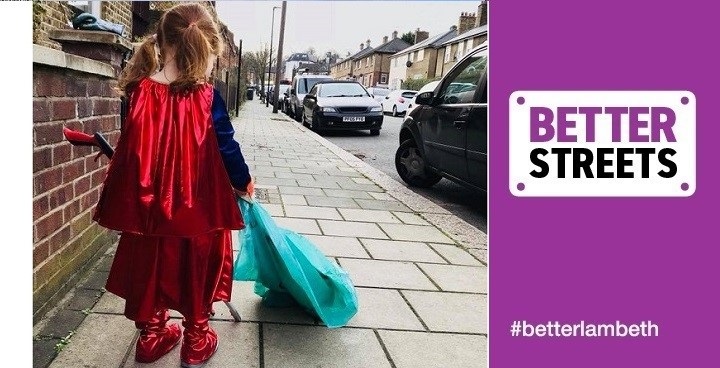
(341, 105)
(445, 134)
(397, 101)
(301, 85)
(428, 87)
(378, 93)
(281, 91)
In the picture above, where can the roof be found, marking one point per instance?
(299, 56)
(434, 41)
(362, 53)
(468, 34)
(392, 46)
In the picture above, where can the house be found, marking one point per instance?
(372, 67)
(343, 70)
(293, 62)
(452, 50)
(419, 60)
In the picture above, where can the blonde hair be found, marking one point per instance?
(192, 32)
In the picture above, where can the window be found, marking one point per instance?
(421, 55)
(383, 78)
(415, 55)
(461, 85)
(465, 47)
(447, 54)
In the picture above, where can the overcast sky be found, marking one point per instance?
(338, 25)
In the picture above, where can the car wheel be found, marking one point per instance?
(410, 165)
(394, 110)
(297, 114)
(304, 121)
(374, 131)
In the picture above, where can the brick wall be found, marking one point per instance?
(67, 179)
(424, 68)
(49, 15)
(117, 12)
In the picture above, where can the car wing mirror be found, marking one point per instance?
(424, 98)
(292, 91)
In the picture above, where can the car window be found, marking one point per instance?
(409, 94)
(342, 90)
(313, 91)
(305, 84)
(462, 83)
(380, 92)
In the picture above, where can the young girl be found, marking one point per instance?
(171, 189)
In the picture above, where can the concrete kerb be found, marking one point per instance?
(465, 235)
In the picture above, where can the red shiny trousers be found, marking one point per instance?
(154, 273)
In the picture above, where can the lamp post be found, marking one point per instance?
(272, 28)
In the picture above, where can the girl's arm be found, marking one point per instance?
(232, 157)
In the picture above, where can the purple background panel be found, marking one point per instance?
(606, 259)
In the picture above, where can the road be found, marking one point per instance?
(379, 152)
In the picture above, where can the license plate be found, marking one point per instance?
(353, 118)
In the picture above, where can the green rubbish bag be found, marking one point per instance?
(289, 270)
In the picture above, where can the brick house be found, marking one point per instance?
(472, 31)
(372, 65)
(419, 60)
(74, 79)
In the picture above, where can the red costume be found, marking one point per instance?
(168, 192)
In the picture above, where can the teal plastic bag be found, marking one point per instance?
(289, 270)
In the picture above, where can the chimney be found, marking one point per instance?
(362, 46)
(385, 39)
(481, 18)
(394, 34)
(368, 43)
(421, 35)
(466, 22)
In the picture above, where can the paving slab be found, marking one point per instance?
(363, 187)
(410, 218)
(249, 306)
(458, 278)
(386, 274)
(338, 246)
(382, 308)
(318, 184)
(352, 214)
(362, 181)
(313, 212)
(324, 201)
(456, 255)
(292, 175)
(352, 229)
(300, 190)
(450, 312)
(305, 346)
(110, 303)
(302, 226)
(293, 199)
(433, 350)
(344, 193)
(373, 204)
(382, 196)
(101, 341)
(415, 233)
(274, 209)
(276, 181)
(401, 251)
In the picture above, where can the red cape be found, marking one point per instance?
(167, 177)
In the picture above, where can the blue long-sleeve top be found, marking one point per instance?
(232, 157)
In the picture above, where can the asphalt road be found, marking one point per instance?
(379, 152)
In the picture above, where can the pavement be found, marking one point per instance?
(420, 272)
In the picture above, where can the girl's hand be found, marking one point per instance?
(249, 190)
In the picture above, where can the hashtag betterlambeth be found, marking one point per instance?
(583, 329)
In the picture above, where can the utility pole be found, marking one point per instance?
(276, 92)
(238, 96)
(272, 29)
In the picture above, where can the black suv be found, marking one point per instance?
(445, 135)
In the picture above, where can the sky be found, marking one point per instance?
(336, 25)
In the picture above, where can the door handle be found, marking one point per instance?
(459, 124)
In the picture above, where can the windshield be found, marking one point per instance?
(306, 84)
(342, 90)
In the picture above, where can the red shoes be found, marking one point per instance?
(156, 338)
(200, 342)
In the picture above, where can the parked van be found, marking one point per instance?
(301, 85)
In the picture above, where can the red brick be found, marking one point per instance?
(48, 224)
(40, 207)
(47, 180)
(84, 107)
(97, 178)
(49, 84)
(101, 106)
(41, 110)
(41, 252)
(73, 170)
(71, 210)
(76, 87)
(60, 239)
(48, 133)
(91, 164)
(42, 158)
(92, 125)
(63, 109)
(114, 107)
(60, 196)
(62, 153)
(82, 186)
